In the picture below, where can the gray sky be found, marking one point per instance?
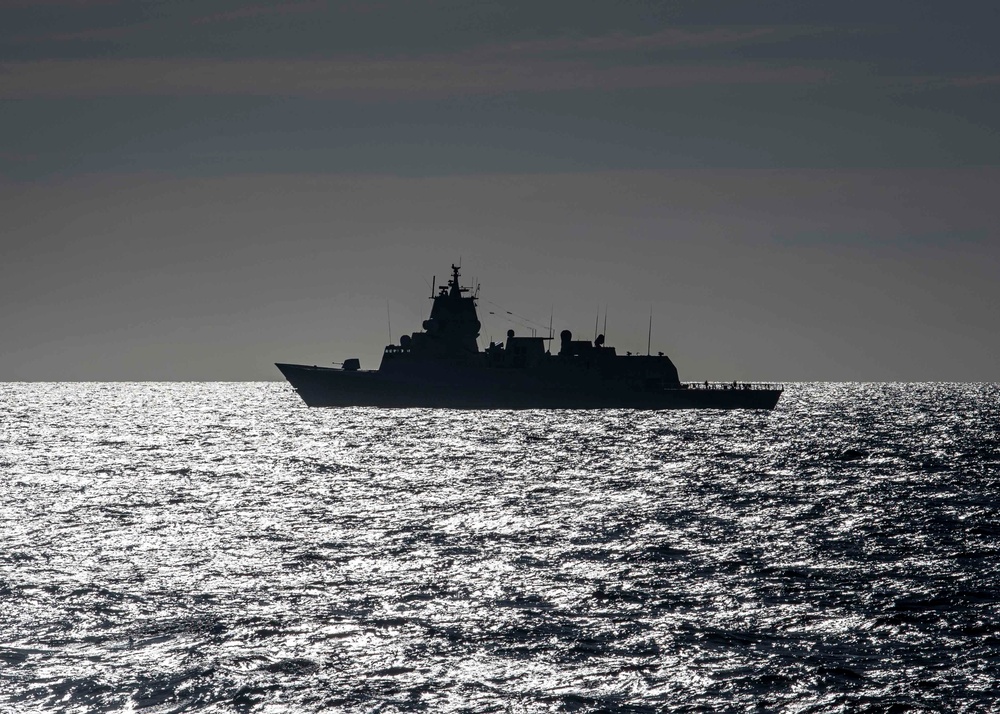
(798, 191)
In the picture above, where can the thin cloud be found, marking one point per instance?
(22, 4)
(975, 81)
(97, 34)
(671, 38)
(255, 11)
(364, 78)
(17, 158)
(933, 82)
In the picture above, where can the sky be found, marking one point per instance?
(194, 190)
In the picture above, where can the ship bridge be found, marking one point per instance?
(450, 331)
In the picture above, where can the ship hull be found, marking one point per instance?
(329, 387)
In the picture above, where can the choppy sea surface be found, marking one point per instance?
(223, 548)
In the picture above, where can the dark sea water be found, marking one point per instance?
(222, 548)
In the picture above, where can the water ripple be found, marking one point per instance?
(220, 547)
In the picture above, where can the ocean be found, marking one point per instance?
(219, 547)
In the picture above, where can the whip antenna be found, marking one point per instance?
(649, 335)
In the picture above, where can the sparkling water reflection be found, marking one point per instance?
(220, 547)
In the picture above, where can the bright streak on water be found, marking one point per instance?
(220, 547)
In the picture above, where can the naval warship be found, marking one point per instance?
(442, 366)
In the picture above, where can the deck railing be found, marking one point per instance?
(773, 386)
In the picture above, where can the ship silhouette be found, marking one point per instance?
(443, 367)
